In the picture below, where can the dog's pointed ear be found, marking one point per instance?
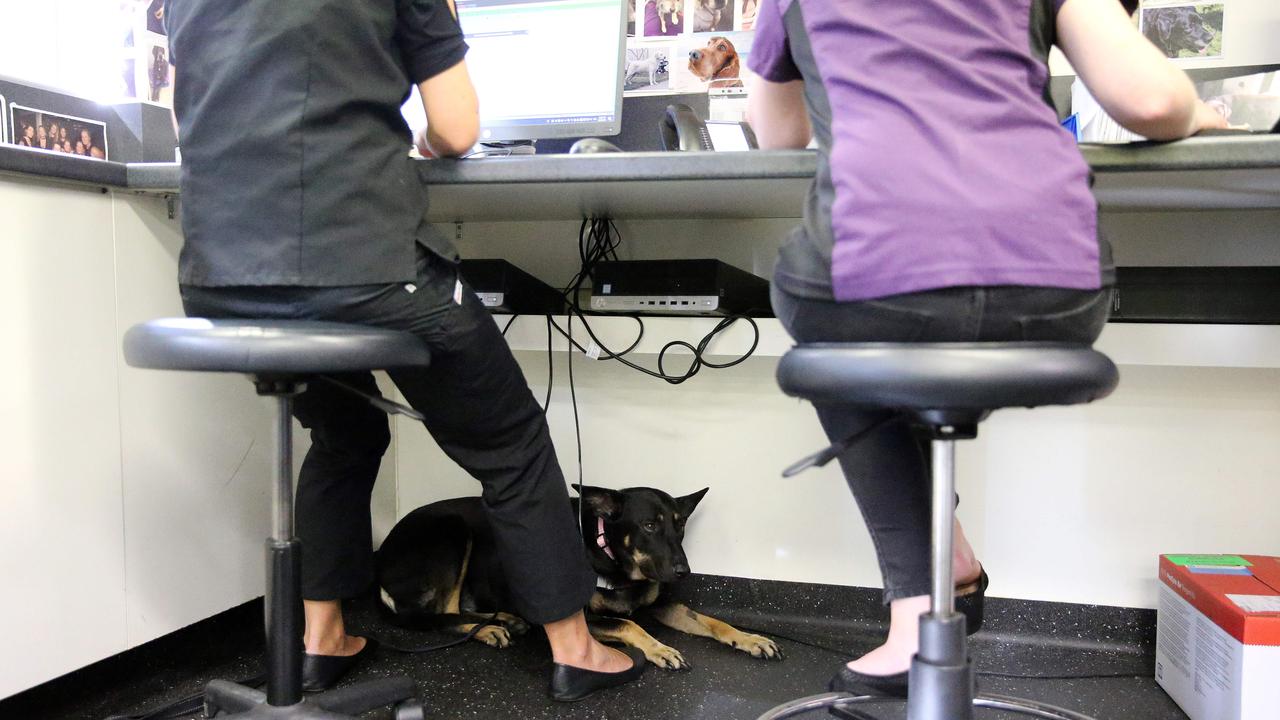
(689, 502)
(601, 502)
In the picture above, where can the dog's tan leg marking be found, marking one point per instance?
(629, 633)
(680, 617)
(453, 601)
(491, 635)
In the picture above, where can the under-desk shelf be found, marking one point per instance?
(1170, 345)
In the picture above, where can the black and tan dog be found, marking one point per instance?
(438, 569)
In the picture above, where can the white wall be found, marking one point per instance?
(61, 540)
(132, 502)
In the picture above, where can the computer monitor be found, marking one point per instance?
(543, 68)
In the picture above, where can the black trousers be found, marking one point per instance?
(478, 408)
(888, 471)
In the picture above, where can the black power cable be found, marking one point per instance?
(598, 240)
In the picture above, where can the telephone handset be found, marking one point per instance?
(682, 129)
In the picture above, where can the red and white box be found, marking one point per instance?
(1218, 635)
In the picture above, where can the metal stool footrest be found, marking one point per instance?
(851, 704)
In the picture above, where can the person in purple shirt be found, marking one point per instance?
(948, 206)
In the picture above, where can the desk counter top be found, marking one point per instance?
(1197, 173)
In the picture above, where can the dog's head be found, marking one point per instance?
(713, 5)
(1176, 29)
(717, 61)
(644, 529)
(670, 6)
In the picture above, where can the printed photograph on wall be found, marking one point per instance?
(631, 18)
(648, 69)
(59, 133)
(702, 63)
(1184, 30)
(155, 17)
(159, 80)
(661, 18)
(711, 15)
(747, 14)
(4, 136)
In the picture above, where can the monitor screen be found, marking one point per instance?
(546, 68)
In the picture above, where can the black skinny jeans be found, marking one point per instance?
(888, 471)
(478, 408)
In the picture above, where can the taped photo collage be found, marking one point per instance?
(682, 46)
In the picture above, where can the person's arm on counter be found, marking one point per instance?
(777, 114)
(453, 114)
(448, 97)
(1130, 78)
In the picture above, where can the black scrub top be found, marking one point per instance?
(295, 166)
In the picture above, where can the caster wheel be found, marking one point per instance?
(410, 710)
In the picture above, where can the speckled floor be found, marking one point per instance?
(1025, 649)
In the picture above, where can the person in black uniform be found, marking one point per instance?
(300, 201)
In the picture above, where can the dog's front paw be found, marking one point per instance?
(665, 657)
(494, 636)
(757, 646)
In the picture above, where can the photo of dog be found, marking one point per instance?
(712, 15)
(669, 11)
(631, 18)
(716, 63)
(646, 69)
(662, 18)
(438, 569)
(1185, 31)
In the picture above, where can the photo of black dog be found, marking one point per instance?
(438, 570)
(1185, 31)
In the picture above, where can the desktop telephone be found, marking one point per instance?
(682, 129)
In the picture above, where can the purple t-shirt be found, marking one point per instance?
(941, 163)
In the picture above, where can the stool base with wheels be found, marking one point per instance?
(946, 389)
(281, 357)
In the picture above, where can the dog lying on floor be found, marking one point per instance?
(438, 569)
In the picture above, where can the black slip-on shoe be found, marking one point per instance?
(570, 684)
(321, 672)
(856, 683)
(970, 600)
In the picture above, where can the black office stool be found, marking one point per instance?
(281, 357)
(946, 389)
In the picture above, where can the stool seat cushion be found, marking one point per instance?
(269, 347)
(947, 376)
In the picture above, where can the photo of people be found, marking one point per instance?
(712, 15)
(1184, 31)
(647, 69)
(159, 76)
(747, 14)
(58, 133)
(663, 18)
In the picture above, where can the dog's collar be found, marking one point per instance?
(601, 542)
